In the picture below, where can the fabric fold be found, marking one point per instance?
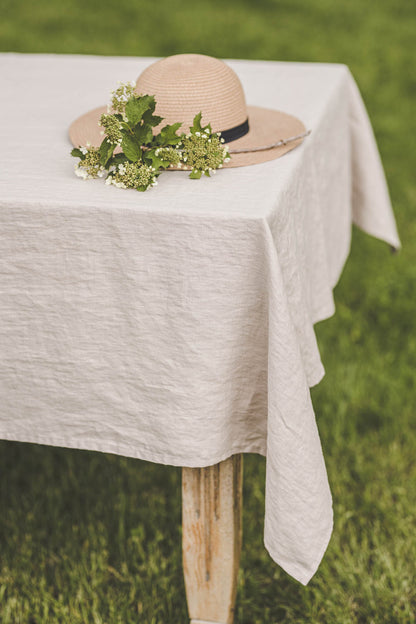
(296, 479)
(371, 205)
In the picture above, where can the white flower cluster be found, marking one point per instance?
(132, 175)
(170, 155)
(112, 128)
(204, 151)
(90, 167)
(121, 95)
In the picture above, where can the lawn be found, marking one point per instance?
(93, 538)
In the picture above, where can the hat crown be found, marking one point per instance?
(186, 84)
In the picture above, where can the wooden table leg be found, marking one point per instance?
(211, 543)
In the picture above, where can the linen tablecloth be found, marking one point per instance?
(176, 325)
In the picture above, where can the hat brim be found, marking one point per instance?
(267, 127)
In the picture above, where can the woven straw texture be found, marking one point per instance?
(186, 84)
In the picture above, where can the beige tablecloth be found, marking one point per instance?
(176, 326)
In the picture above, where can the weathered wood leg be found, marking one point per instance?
(211, 543)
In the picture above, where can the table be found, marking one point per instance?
(176, 326)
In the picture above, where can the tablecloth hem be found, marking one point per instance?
(317, 376)
(301, 573)
(323, 313)
(142, 454)
(377, 232)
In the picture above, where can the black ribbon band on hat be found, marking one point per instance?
(235, 133)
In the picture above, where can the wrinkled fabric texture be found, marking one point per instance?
(176, 325)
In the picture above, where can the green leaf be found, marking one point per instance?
(143, 134)
(105, 151)
(131, 148)
(151, 102)
(197, 123)
(168, 136)
(77, 153)
(152, 160)
(195, 174)
(117, 159)
(137, 106)
(125, 126)
(152, 120)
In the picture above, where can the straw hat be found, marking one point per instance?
(184, 85)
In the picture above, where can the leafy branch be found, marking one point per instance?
(132, 156)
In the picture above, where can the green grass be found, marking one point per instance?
(93, 538)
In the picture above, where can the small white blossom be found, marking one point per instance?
(81, 173)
